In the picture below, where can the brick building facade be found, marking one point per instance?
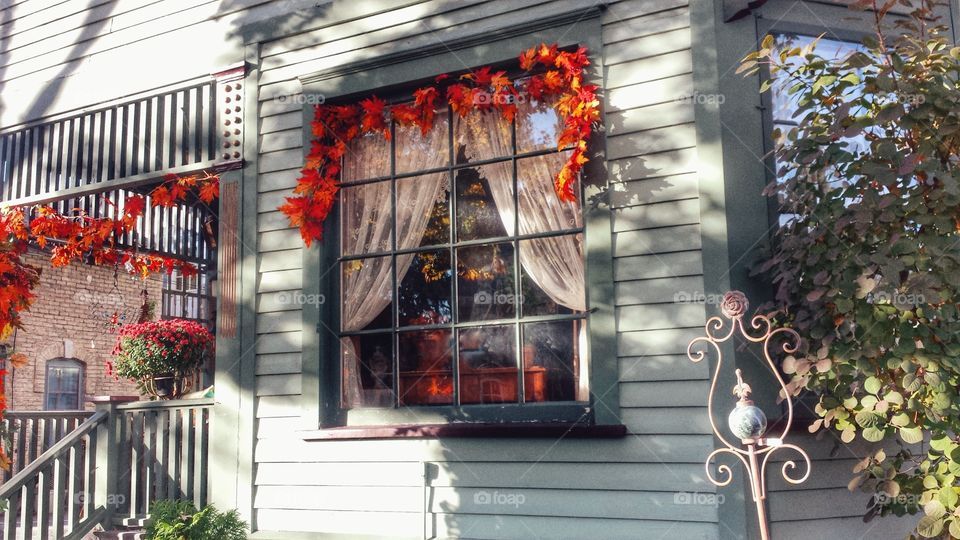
(68, 330)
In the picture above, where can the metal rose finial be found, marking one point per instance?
(747, 422)
(735, 304)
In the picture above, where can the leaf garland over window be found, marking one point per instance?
(334, 126)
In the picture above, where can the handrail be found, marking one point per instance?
(47, 414)
(166, 404)
(31, 470)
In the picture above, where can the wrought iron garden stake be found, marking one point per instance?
(747, 422)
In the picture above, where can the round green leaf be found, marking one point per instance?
(873, 434)
(947, 496)
(929, 527)
(912, 435)
(934, 509)
(900, 419)
(867, 419)
(872, 385)
(955, 528)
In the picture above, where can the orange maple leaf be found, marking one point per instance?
(209, 191)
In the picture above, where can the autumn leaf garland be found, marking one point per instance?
(483, 89)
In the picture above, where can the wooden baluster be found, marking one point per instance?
(136, 460)
(190, 432)
(74, 495)
(21, 445)
(173, 451)
(43, 501)
(89, 474)
(125, 462)
(185, 457)
(149, 457)
(57, 505)
(34, 437)
(159, 453)
(200, 478)
(28, 510)
(10, 516)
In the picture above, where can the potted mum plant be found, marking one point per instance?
(161, 355)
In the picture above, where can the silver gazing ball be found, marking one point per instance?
(747, 421)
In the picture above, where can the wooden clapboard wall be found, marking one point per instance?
(574, 488)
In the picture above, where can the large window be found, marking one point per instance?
(461, 274)
(64, 385)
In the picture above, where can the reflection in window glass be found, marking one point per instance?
(784, 105)
(367, 369)
(426, 375)
(488, 365)
(485, 286)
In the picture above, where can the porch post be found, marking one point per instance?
(107, 455)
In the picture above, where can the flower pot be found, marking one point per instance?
(166, 386)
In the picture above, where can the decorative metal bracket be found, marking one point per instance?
(230, 95)
(746, 421)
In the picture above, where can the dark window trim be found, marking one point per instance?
(469, 430)
(65, 363)
(319, 403)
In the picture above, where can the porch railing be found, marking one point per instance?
(59, 495)
(111, 468)
(34, 432)
(163, 454)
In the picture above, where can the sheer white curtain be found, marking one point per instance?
(554, 263)
(367, 227)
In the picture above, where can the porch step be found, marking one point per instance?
(122, 533)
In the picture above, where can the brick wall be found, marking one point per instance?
(70, 319)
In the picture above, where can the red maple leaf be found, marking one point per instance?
(209, 191)
(161, 197)
(373, 117)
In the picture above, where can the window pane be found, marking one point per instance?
(552, 275)
(62, 387)
(551, 360)
(423, 210)
(538, 125)
(481, 136)
(365, 293)
(366, 218)
(485, 205)
(488, 365)
(367, 370)
(424, 295)
(69, 380)
(367, 156)
(485, 286)
(426, 375)
(540, 208)
(416, 152)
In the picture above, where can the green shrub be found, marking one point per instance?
(866, 264)
(180, 520)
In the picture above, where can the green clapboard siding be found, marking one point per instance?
(613, 488)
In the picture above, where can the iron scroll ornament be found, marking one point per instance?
(758, 448)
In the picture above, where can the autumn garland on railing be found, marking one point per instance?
(78, 236)
(334, 126)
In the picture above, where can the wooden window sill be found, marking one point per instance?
(467, 430)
